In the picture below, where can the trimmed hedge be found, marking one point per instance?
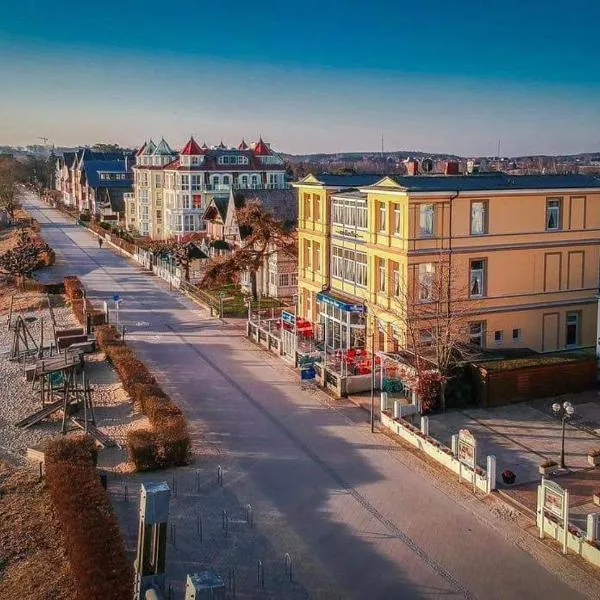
(168, 443)
(80, 305)
(44, 288)
(73, 287)
(100, 567)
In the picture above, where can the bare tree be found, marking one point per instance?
(27, 256)
(263, 235)
(8, 186)
(183, 251)
(433, 313)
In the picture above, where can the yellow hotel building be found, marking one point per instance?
(525, 250)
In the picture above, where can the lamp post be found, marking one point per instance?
(373, 380)
(564, 412)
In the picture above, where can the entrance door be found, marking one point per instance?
(550, 332)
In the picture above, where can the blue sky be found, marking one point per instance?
(309, 76)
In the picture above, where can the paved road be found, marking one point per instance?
(352, 505)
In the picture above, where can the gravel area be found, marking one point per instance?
(114, 411)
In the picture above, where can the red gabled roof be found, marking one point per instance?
(141, 148)
(243, 145)
(192, 149)
(261, 149)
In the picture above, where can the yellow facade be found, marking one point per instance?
(524, 262)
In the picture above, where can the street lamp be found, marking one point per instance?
(564, 412)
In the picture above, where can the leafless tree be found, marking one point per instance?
(433, 314)
(8, 186)
(263, 235)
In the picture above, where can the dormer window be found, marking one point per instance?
(231, 159)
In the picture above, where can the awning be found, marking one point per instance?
(329, 298)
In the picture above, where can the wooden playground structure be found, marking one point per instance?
(57, 371)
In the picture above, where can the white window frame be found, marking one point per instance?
(426, 220)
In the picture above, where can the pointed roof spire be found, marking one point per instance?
(141, 149)
(243, 145)
(149, 148)
(222, 146)
(261, 149)
(204, 146)
(192, 148)
(163, 149)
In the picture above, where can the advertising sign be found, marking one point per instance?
(554, 499)
(288, 317)
(467, 446)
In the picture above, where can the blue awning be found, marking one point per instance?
(328, 298)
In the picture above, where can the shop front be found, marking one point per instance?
(343, 322)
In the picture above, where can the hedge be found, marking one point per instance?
(73, 287)
(100, 567)
(81, 306)
(168, 441)
(44, 288)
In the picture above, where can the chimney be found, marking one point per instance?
(412, 167)
(451, 168)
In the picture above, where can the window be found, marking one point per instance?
(158, 180)
(381, 274)
(132, 209)
(425, 282)
(225, 179)
(395, 279)
(337, 269)
(307, 253)
(317, 201)
(382, 211)
(478, 218)
(185, 201)
(349, 265)
(293, 279)
(254, 180)
(159, 215)
(476, 333)
(361, 215)
(426, 220)
(498, 336)
(477, 281)
(244, 181)
(284, 280)
(307, 207)
(196, 182)
(572, 338)
(397, 219)
(425, 337)
(317, 256)
(184, 182)
(553, 215)
(188, 222)
(272, 277)
(215, 181)
(361, 269)
(516, 335)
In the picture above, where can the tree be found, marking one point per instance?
(8, 186)
(101, 147)
(433, 312)
(263, 235)
(38, 172)
(183, 251)
(27, 256)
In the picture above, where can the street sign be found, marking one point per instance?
(307, 373)
(553, 502)
(116, 298)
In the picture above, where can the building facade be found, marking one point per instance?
(523, 253)
(172, 190)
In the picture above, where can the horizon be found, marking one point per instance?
(93, 77)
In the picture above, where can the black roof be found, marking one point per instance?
(348, 181)
(493, 182)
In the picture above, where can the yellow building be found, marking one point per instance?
(523, 254)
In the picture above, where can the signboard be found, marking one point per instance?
(345, 306)
(116, 298)
(553, 501)
(288, 317)
(467, 448)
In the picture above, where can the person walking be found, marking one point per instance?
(100, 242)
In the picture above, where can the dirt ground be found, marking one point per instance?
(33, 562)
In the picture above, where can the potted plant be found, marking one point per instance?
(508, 477)
(594, 457)
(597, 497)
(548, 467)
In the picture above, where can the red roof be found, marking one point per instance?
(192, 149)
(141, 148)
(243, 145)
(261, 149)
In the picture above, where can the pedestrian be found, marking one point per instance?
(100, 242)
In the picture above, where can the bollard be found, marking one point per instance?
(174, 487)
(198, 481)
(491, 473)
(592, 526)
(225, 523)
(455, 444)
(125, 492)
(220, 475)
(249, 515)
(199, 528)
(260, 574)
(425, 425)
(396, 409)
(287, 565)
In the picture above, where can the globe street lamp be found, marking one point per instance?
(564, 412)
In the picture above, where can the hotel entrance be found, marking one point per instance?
(343, 323)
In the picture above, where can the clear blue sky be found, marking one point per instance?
(310, 76)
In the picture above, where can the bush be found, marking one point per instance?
(84, 217)
(100, 567)
(73, 287)
(143, 450)
(159, 409)
(107, 335)
(44, 288)
(141, 391)
(175, 442)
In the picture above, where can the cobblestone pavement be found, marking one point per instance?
(361, 516)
